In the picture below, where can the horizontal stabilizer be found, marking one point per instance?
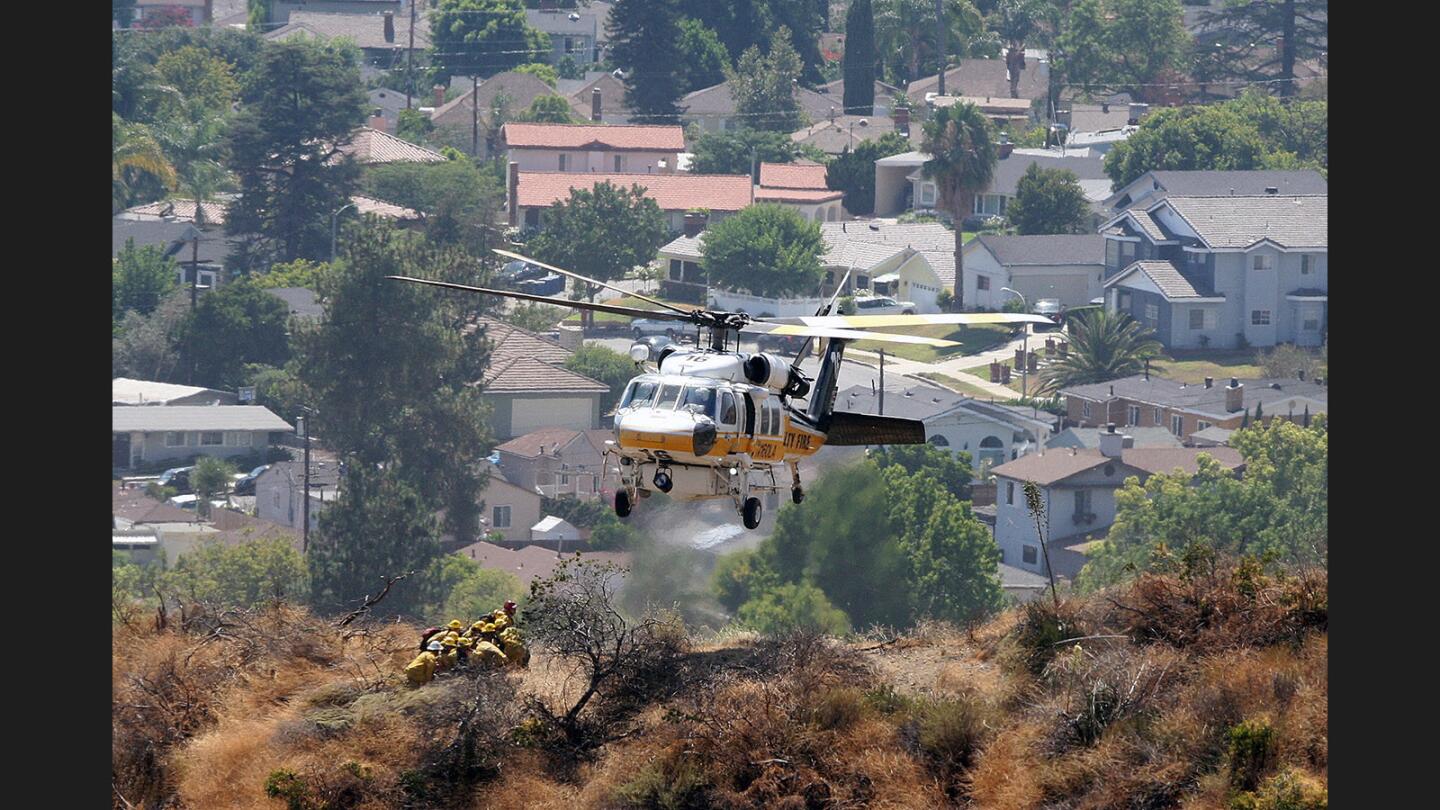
(851, 429)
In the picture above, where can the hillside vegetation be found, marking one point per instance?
(1202, 687)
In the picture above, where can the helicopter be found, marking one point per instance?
(715, 423)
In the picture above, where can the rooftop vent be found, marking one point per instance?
(1272, 190)
(874, 226)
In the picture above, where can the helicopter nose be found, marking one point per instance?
(703, 438)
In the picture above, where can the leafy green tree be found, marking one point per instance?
(568, 68)
(243, 575)
(1122, 45)
(299, 273)
(278, 389)
(952, 557)
(380, 527)
(606, 365)
(200, 77)
(733, 152)
(302, 101)
(602, 232)
(134, 152)
(480, 38)
(854, 172)
(767, 250)
(793, 606)
(1263, 41)
(705, 57)
(859, 62)
(146, 347)
(414, 126)
(740, 575)
(464, 589)
(540, 70)
(1049, 201)
(1279, 507)
(140, 279)
(961, 145)
(534, 317)
(458, 199)
(389, 369)
(950, 469)
(232, 325)
(905, 34)
(211, 477)
(764, 86)
(1103, 346)
(549, 109)
(645, 44)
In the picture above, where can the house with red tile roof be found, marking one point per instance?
(530, 193)
(592, 148)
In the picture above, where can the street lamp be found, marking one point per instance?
(334, 221)
(863, 123)
(1024, 347)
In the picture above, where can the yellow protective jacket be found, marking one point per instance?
(488, 654)
(515, 650)
(501, 621)
(421, 670)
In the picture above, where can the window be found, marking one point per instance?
(702, 398)
(564, 162)
(1132, 415)
(1124, 301)
(1202, 425)
(500, 517)
(1262, 261)
(1028, 553)
(939, 441)
(1177, 425)
(1259, 317)
(1307, 264)
(1112, 253)
(668, 395)
(212, 438)
(175, 439)
(1085, 409)
(239, 438)
(1197, 319)
(727, 406)
(982, 282)
(1152, 312)
(1082, 502)
(1127, 252)
(1157, 416)
(1009, 493)
(927, 194)
(1311, 325)
(569, 45)
(765, 418)
(619, 163)
(862, 282)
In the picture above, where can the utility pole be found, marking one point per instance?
(474, 116)
(882, 382)
(410, 58)
(940, 42)
(305, 496)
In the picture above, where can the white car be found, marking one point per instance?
(642, 327)
(882, 305)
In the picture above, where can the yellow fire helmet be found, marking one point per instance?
(454, 624)
(466, 641)
(478, 626)
(451, 639)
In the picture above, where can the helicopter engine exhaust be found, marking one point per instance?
(772, 371)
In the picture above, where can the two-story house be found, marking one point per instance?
(589, 148)
(1222, 272)
(556, 461)
(1077, 489)
(1151, 186)
(901, 183)
(1067, 267)
(573, 32)
(1151, 401)
(280, 492)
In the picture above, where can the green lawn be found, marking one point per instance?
(1194, 367)
(972, 339)
(957, 385)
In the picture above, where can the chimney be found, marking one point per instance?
(902, 120)
(695, 222)
(1005, 149)
(513, 196)
(1300, 374)
(1111, 443)
(1209, 382)
(1272, 189)
(1147, 369)
(439, 91)
(377, 120)
(1063, 117)
(595, 104)
(390, 26)
(1137, 112)
(1234, 396)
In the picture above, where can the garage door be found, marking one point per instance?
(1072, 288)
(532, 414)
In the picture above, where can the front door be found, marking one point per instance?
(120, 450)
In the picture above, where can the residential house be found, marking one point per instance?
(556, 461)
(147, 436)
(1098, 127)
(530, 193)
(599, 98)
(385, 106)
(713, 107)
(1151, 186)
(532, 562)
(984, 78)
(587, 148)
(800, 186)
(1004, 112)
(283, 11)
(176, 209)
(125, 391)
(1066, 267)
(1222, 271)
(1150, 400)
(1077, 489)
(573, 33)
(1142, 437)
(901, 183)
(510, 510)
(557, 530)
(884, 96)
(383, 35)
(933, 241)
(507, 93)
(836, 135)
(370, 147)
(1020, 585)
(279, 492)
(200, 12)
(526, 394)
(991, 433)
(192, 248)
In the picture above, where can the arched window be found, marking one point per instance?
(992, 451)
(939, 441)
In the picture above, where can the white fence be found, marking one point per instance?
(755, 305)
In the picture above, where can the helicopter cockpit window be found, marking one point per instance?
(701, 396)
(727, 408)
(668, 395)
(638, 394)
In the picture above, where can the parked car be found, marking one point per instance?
(245, 484)
(640, 327)
(178, 478)
(785, 344)
(549, 284)
(883, 305)
(518, 271)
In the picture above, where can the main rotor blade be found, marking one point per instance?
(848, 334)
(587, 279)
(893, 321)
(614, 309)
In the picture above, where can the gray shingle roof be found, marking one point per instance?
(1239, 222)
(932, 239)
(1009, 171)
(559, 22)
(1173, 284)
(1168, 393)
(1090, 437)
(367, 30)
(984, 77)
(915, 402)
(1046, 250)
(1216, 183)
(684, 246)
(197, 417)
(172, 237)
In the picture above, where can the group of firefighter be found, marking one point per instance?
(492, 641)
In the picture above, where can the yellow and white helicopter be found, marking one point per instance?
(715, 423)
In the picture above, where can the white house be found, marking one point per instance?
(147, 435)
(125, 391)
(278, 492)
(1067, 267)
(554, 529)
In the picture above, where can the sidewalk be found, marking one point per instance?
(951, 367)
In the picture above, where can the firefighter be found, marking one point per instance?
(422, 669)
(441, 631)
(488, 654)
(513, 647)
(449, 657)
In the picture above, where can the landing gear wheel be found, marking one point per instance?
(622, 503)
(797, 495)
(751, 513)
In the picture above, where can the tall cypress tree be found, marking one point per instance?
(645, 43)
(859, 62)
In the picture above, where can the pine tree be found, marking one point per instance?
(859, 60)
(645, 41)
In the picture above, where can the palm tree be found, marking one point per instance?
(1102, 347)
(134, 149)
(1016, 21)
(961, 145)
